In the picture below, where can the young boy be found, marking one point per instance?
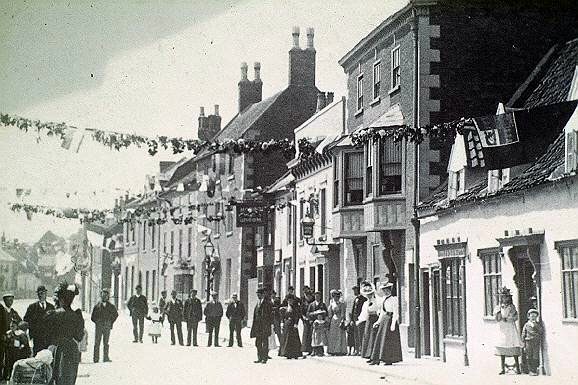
(319, 337)
(350, 338)
(532, 337)
(18, 344)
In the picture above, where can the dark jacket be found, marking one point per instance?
(138, 306)
(35, 317)
(262, 319)
(193, 310)
(356, 308)
(213, 310)
(174, 310)
(236, 311)
(314, 307)
(104, 314)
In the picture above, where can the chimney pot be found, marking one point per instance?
(202, 112)
(216, 110)
(321, 102)
(310, 35)
(244, 68)
(295, 37)
(329, 98)
(257, 68)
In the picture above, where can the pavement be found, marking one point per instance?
(162, 363)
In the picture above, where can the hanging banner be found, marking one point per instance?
(252, 213)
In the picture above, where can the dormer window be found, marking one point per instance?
(571, 151)
(457, 183)
(497, 179)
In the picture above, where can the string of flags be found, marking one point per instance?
(72, 137)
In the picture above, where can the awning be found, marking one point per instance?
(391, 118)
(330, 139)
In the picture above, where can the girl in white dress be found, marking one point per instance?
(155, 326)
(509, 343)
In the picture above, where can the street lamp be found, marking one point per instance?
(209, 251)
(307, 224)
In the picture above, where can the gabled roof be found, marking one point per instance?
(245, 119)
(549, 83)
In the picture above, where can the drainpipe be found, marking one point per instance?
(414, 220)
(294, 224)
(465, 304)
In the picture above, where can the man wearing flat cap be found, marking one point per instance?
(7, 316)
(103, 315)
(213, 315)
(35, 317)
(261, 327)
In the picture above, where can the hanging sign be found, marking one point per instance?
(252, 213)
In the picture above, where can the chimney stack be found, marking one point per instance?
(210, 125)
(310, 35)
(295, 37)
(202, 112)
(329, 98)
(302, 61)
(250, 92)
(321, 102)
(216, 109)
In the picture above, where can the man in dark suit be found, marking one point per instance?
(103, 315)
(10, 315)
(35, 317)
(213, 314)
(261, 327)
(193, 314)
(163, 306)
(138, 307)
(174, 312)
(355, 312)
(236, 314)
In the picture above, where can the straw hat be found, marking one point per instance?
(367, 288)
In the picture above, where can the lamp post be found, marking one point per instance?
(209, 251)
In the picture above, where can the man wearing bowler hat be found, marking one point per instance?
(7, 316)
(213, 315)
(261, 327)
(193, 314)
(139, 308)
(35, 317)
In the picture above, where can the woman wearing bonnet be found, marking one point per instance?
(66, 328)
(509, 343)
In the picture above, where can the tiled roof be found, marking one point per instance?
(548, 84)
(244, 120)
(551, 83)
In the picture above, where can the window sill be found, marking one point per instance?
(454, 340)
(375, 101)
(394, 90)
(358, 112)
(570, 321)
(229, 233)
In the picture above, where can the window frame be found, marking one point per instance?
(369, 150)
(153, 234)
(323, 210)
(144, 235)
(346, 179)
(561, 247)
(492, 279)
(382, 165)
(453, 291)
(395, 68)
(359, 93)
(289, 223)
(571, 151)
(376, 84)
(336, 186)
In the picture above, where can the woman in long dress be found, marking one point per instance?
(509, 343)
(336, 312)
(66, 327)
(291, 347)
(387, 346)
(369, 315)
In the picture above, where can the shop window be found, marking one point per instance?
(492, 262)
(390, 170)
(353, 178)
(453, 297)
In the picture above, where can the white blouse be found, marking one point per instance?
(390, 305)
(367, 309)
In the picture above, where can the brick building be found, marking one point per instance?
(431, 62)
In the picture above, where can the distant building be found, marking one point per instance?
(8, 270)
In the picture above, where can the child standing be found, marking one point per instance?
(319, 336)
(532, 338)
(156, 324)
(350, 338)
(18, 343)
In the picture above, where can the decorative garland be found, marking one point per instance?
(85, 215)
(118, 141)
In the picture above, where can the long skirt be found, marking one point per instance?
(336, 338)
(292, 344)
(66, 360)
(282, 340)
(368, 336)
(358, 336)
(387, 346)
(306, 345)
(509, 343)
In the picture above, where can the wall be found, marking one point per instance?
(551, 208)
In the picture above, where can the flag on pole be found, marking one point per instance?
(95, 239)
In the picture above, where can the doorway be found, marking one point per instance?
(426, 324)
(436, 312)
(524, 280)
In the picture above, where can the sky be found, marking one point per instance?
(142, 67)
